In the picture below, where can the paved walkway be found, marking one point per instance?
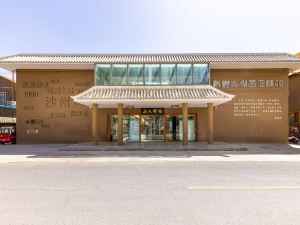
(152, 146)
(219, 152)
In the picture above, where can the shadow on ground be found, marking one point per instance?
(87, 150)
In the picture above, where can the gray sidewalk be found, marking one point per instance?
(154, 146)
(217, 152)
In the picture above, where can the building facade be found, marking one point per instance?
(7, 96)
(294, 99)
(155, 97)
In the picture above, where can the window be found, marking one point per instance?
(152, 74)
(4, 131)
(119, 74)
(102, 74)
(135, 74)
(168, 74)
(294, 117)
(130, 128)
(201, 74)
(184, 74)
(3, 98)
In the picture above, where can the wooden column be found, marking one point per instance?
(120, 123)
(165, 127)
(108, 127)
(198, 125)
(185, 123)
(210, 123)
(140, 128)
(95, 128)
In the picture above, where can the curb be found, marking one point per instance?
(223, 158)
(143, 149)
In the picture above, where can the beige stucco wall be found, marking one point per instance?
(294, 93)
(294, 96)
(45, 111)
(263, 127)
(46, 114)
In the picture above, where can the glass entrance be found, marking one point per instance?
(152, 128)
(174, 128)
(130, 128)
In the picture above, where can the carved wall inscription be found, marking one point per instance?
(47, 112)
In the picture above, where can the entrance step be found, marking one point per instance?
(219, 146)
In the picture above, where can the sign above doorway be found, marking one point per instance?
(152, 111)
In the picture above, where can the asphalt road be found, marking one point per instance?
(149, 193)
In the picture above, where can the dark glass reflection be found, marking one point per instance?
(119, 74)
(184, 74)
(168, 74)
(152, 74)
(102, 74)
(135, 74)
(200, 74)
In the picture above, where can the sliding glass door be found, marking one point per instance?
(152, 128)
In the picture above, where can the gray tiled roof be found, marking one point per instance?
(130, 94)
(150, 58)
(7, 120)
(151, 92)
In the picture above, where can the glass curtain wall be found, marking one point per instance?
(119, 74)
(201, 74)
(168, 74)
(103, 74)
(184, 74)
(151, 74)
(135, 74)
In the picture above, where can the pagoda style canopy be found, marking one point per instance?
(152, 96)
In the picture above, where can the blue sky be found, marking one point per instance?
(149, 26)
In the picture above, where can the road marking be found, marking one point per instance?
(245, 187)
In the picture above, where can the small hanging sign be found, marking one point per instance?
(152, 111)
